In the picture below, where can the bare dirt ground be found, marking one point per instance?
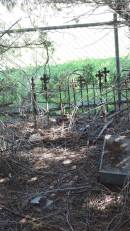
(49, 179)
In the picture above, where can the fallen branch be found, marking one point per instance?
(63, 190)
(42, 194)
(116, 113)
(103, 129)
(68, 215)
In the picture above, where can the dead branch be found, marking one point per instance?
(103, 129)
(68, 214)
(64, 190)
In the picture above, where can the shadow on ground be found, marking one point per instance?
(65, 173)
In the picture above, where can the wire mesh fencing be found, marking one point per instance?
(75, 69)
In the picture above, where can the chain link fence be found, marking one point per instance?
(75, 68)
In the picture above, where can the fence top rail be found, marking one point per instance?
(61, 27)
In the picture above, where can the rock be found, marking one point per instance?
(42, 202)
(35, 138)
(36, 200)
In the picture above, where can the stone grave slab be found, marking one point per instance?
(115, 159)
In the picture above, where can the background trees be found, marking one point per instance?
(122, 7)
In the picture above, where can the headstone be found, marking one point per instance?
(115, 159)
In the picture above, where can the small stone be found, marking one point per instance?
(35, 137)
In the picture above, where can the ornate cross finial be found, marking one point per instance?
(45, 80)
(81, 80)
(99, 75)
(105, 72)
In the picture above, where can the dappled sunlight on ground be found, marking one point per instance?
(50, 182)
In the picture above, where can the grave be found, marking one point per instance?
(115, 159)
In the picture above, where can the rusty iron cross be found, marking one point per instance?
(45, 80)
(99, 75)
(105, 72)
(81, 81)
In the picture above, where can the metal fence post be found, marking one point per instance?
(34, 103)
(117, 57)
